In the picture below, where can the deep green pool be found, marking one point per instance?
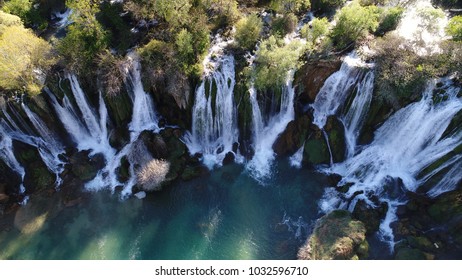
(225, 215)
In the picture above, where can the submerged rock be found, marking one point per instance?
(336, 236)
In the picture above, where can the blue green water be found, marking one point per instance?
(225, 215)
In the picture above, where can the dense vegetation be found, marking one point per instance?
(172, 38)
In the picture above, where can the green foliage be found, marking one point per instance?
(325, 6)
(175, 12)
(9, 20)
(85, 38)
(389, 20)
(290, 6)
(401, 73)
(319, 28)
(110, 72)
(429, 17)
(24, 61)
(141, 9)
(225, 12)
(284, 25)
(248, 31)
(184, 46)
(454, 28)
(25, 10)
(121, 38)
(274, 59)
(353, 23)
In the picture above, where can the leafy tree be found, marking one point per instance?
(26, 11)
(353, 23)
(290, 6)
(324, 6)
(248, 31)
(389, 20)
(225, 11)
(274, 59)
(319, 27)
(284, 25)
(85, 38)
(454, 28)
(25, 59)
(175, 12)
(141, 9)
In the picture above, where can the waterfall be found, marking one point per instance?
(296, 159)
(357, 113)
(265, 134)
(407, 143)
(214, 130)
(7, 155)
(46, 142)
(336, 88)
(144, 118)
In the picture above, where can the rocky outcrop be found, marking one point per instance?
(293, 137)
(336, 236)
(311, 77)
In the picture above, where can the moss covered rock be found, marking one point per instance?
(336, 236)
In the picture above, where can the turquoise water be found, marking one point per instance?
(225, 215)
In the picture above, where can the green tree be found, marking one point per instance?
(290, 6)
(353, 23)
(248, 31)
(454, 28)
(225, 11)
(389, 20)
(274, 59)
(27, 12)
(284, 25)
(85, 38)
(324, 6)
(319, 27)
(25, 59)
(175, 12)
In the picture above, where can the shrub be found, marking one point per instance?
(319, 28)
(152, 174)
(454, 28)
(25, 60)
(284, 25)
(224, 11)
(290, 6)
(110, 72)
(248, 31)
(25, 10)
(325, 6)
(274, 59)
(353, 23)
(389, 20)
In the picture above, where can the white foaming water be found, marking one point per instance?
(87, 130)
(336, 88)
(296, 159)
(144, 118)
(407, 143)
(63, 18)
(7, 155)
(265, 134)
(420, 28)
(357, 113)
(46, 143)
(214, 130)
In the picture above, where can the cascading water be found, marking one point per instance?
(46, 142)
(265, 134)
(7, 155)
(296, 159)
(336, 88)
(144, 118)
(407, 143)
(357, 113)
(214, 130)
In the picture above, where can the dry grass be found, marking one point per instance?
(152, 174)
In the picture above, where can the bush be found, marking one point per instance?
(248, 31)
(152, 174)
(9, 20)
(290, 6)
(25, 59)
(111, 73)
(25, 10)
(454, 28)
(319, 28)
(284, 25)
(85, 38)
(389, 20)
(274, 59)
(225, 12)
(326, 6)
(353, 23)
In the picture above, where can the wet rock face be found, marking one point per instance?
(86, 167)
(293, 137)
(336, 236)
(311, 77)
